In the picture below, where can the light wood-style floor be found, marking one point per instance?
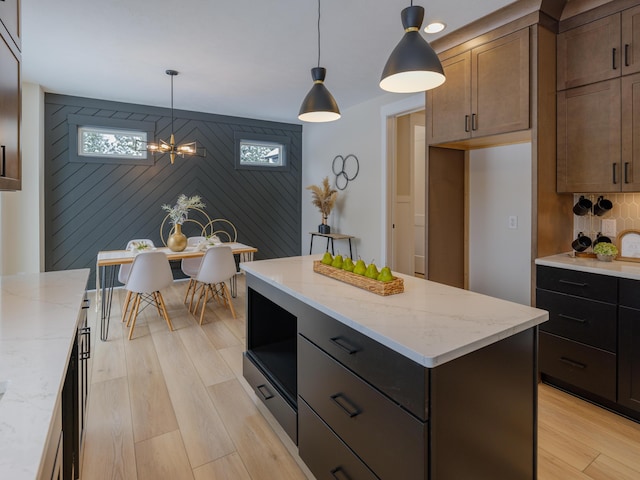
(173, 405)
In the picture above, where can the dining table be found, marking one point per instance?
(108, 261)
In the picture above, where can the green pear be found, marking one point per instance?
(372, 271)
(385, 275)
(337, 261)
(327, 258)
(348, 265)
(360, 267)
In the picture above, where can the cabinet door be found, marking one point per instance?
(629, 358)
(500, 85)
(631, 133)
(10, 18)
(9, 118)
(589, 53)
(588, 157)
(449, 106)
(631, 41)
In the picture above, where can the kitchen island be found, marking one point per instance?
(39, 319)
(435, 382)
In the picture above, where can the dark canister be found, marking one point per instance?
(602, 206)
(581, 243)
(582, 206)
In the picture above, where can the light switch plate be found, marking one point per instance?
(512, 221)
(609, 227)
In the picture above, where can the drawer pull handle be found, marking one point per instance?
(339, 474)
(3, 170)
(86, 303)
(626, 54)
(346, 405)
(474, 121)
(575, 284)
(86, 353)
(466, 123)
(572, 363)
(344, 345)
(573, 319)
(613, 56)
(262, 389)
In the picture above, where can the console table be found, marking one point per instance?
(330, 238)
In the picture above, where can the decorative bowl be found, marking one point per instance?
(605, 258)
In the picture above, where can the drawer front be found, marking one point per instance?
(324, 453)
(388, 439)
(579, 319)
(581, 284)
(402, 379)
(273, 400)
(629, 293)
(585, 367)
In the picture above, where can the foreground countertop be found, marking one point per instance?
(592, 265)
(429, 322)
(38, 317)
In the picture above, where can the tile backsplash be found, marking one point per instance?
(626, 212)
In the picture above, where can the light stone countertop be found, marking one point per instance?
(615, 268)
(429, 323)
(38, 317)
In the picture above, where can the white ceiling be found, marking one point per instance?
(248, 58)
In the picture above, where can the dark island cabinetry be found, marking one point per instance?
(591, 342)
(358, 409)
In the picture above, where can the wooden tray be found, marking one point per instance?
(375, 286)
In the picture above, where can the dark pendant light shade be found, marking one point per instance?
(319, 105)
(413, 66)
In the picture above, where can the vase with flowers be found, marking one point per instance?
(324, 197)
(178, 214)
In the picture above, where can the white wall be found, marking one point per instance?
(22, 212)
(361, 207)
(500, 187)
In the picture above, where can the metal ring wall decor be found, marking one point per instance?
(224, 227)
(345, 170)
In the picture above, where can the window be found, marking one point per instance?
(109, 142)
(261, 152)
(95, 139)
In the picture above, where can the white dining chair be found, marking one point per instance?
(125, 268)
(150, 273)
(218, 265)
(190, 267)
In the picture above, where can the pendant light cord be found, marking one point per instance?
(318, 33)
(172, 102)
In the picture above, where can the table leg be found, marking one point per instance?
(108, 279)
(332, 249)
(327, 249)
(311, 246)
(350, 252)
(233, 282)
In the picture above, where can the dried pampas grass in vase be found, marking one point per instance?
(324, 198)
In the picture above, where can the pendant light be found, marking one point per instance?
(413, 66)
(170, 147)
(319, 105)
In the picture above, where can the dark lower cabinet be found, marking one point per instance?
(591, 344)
(629, 358)
(328, 457)
(74, 398)
(363, 411)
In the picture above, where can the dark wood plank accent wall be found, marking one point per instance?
(100, 206)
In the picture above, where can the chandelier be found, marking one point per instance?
(182, 150)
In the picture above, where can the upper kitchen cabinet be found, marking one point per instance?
(486, 91)
(588, 156)
(630, 165)
(10, 18)
(10, 163)
(600, 50)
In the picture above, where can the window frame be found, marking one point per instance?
(76, 122)
(258, 138)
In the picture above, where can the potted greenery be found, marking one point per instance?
(324, 198)
(605, 251)
(178, 214)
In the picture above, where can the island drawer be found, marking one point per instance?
(630, 293)
(324, 453)
(387, 438)
(271, 397)
(581, 284)
(586, 321)
(402, 379)
(585, 367)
